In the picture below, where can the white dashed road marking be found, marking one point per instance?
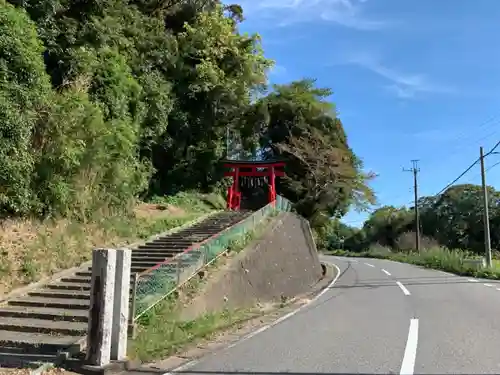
(403, 288)
(369, 265)
(408, 365)
(386, 272)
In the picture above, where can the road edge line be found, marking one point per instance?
(185, 366)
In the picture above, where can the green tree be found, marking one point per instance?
(453, 219)
(324, 176)
(215, 74)
(24, 94)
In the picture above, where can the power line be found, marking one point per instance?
(470, 180)
(469, 168)
(494, 120)
(493, 149)
(459, 177)
(492, 166)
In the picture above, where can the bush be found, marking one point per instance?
(81, 165)
(436, 257)
(406, 242)
(24, 93)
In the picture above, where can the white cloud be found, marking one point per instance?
(278, 70)
(403, 85)
(347, 13)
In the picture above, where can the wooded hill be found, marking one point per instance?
(454, 220)
(102, 102)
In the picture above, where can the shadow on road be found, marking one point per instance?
(376, 283)
(201, 372)
(269, 373)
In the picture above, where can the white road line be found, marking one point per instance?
(498, 288)
(369, 265)
(189, 364)
(473, 280)
(354, 260)
(408, 365)
(386, 272)
(403, 288)
(488, 284)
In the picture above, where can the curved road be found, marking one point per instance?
(379, 317)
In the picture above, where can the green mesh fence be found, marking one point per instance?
(152, 286)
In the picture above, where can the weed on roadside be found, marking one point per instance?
(454, 261)
(31, 249)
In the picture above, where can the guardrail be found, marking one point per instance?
(155, 284)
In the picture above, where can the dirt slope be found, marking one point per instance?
(282, 264)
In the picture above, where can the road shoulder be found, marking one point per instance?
(271, 315)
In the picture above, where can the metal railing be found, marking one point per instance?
(155, 284)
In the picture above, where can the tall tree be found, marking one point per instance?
(24, 92)
(324, 176)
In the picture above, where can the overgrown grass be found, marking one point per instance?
(193, 201)
(454, 261)
(31, 249)
(161, 332)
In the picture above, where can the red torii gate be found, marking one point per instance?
(237, 169)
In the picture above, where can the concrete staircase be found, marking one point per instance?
(37, 327)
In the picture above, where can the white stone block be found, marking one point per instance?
(121, 305)
(101, 307)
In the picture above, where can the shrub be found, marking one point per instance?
(406, 242)
(24, 94)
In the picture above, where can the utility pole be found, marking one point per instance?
(486, 215)
(227, 143)
(415, 169)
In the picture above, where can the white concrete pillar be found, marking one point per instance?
(101, 307)
(121, 305)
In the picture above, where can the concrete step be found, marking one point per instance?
(184, 258)
(155, 259)
(77, 279)
(83, 273)
(185, 238)
(43, 326)
(44, 313)
(192, 238)
(34, 328)
(37, 343)
(155, 255)
(58, 303)
(179, 241)
(69, 286)
(165, 245)
(25, 360)
(147, 251)
(162, 250)
(50, 293)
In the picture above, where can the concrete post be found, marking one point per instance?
(121, 305)
(101, 307)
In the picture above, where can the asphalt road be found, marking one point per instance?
(380, 317)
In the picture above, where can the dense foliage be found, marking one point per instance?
(453, 219)
(104, 101)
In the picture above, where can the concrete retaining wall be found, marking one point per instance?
(283, 263)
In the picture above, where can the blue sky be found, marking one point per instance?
(412, 79)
